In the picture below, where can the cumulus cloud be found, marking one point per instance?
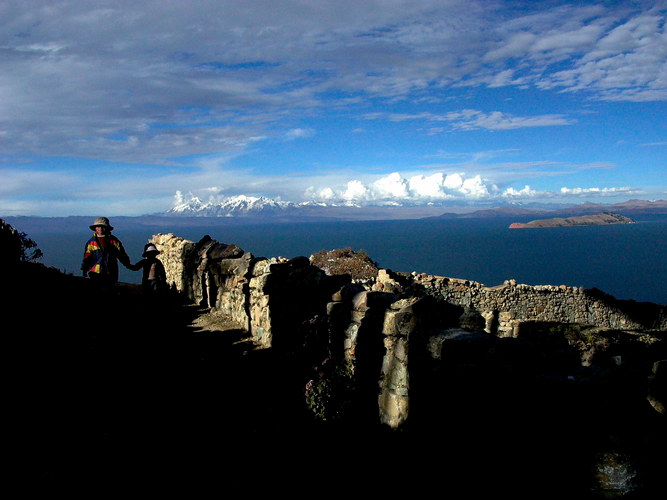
(525, 193)
(396, 188)
(355, 191)
(428, 186)
(391, 187)
(440, 188)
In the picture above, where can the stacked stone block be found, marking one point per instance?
(510, 304)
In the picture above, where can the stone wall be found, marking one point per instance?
(386, 328)
(502, 309)
(272, 297)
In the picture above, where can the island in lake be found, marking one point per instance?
(583, 220)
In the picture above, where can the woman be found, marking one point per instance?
(102, 253)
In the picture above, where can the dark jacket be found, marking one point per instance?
(104, 262)
(154, 276)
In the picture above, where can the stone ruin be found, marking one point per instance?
(397, 330)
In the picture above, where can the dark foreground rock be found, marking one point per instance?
(110, 390)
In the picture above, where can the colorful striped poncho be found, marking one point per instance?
(103, 259)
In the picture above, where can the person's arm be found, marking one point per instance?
(122, 255)
(137, 266)
(87, 257)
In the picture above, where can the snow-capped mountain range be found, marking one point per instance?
(243, 206)
(234, 206)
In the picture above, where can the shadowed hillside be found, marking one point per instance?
(112, 388)
(111, 384)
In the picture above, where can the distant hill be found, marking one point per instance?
(505, 211)
(247, 210)
(582, 220)
(630, 208)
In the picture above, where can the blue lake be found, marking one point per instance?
(626, 261)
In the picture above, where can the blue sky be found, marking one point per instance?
(120, 108)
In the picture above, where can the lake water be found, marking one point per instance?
(626, 261)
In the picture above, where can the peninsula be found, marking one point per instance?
(583, 220)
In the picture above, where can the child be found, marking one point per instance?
(154, 280)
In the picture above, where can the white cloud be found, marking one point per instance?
(497, 120)
(395, 188)
(470, 119)
(299, 133)
(390, 187)
(525, 192)
(191, 86)
(453, 182)
(325, 194)
(627, 62)
(415, 189)
(355, 192)
(431, 186)
(474, 187)
(124, 73)
(441, 188)
(615, 191)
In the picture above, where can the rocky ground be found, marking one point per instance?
(105, 379)
(110, 389)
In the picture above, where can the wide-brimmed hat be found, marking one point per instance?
(101, 221)
(150, 248)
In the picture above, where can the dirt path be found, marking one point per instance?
(206, 320)
(108, 385)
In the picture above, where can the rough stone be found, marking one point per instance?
(399, 320)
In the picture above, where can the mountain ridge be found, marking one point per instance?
(258, 210)
(636, 207)
(248, 206)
